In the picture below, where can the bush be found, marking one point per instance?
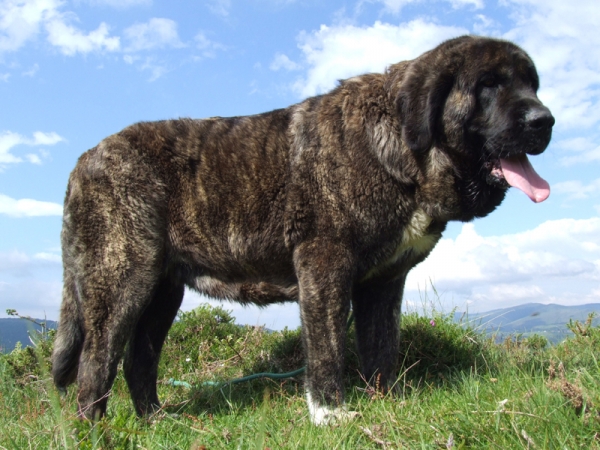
(434, 347)
(30, 363)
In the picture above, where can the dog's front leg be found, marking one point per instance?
(325, 274)
(377, 321)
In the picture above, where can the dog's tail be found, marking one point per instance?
(69, 339)
(70, 335)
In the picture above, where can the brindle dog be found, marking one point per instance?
(329, 202)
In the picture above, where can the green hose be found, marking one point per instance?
(272, 376)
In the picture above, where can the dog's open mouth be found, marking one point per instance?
(518, 172)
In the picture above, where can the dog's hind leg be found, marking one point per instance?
(113, 243)
(111, 311)
(117, 276)
(144, 348)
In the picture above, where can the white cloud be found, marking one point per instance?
(48, 257)
(31, 284)
(281, 61)
(23, 20)
(562, 39)
(338, 52)
(28, 208)
(130, 59)
(40, 138)
(31, 72)
(155, 68)
(477, 4)
(71, 40)
(395, 6)
(156, 33)
(33, 158)
(486, 26)
(121, 4)
(31, 297)
(208, 47)
(149, 64)
(564, 42)
(510, 293)
(579, 149)
(219, 7)
(556, 262)
(499, 271)
(577, 190)
(8, 140)
(20, 20)
(19, 263)
(274, 317)
(14, 261)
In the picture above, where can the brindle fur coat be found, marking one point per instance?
(329, 202)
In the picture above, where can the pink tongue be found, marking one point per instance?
(519, 173)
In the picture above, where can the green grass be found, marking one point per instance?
(458, 390)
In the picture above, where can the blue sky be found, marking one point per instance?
(74, 72)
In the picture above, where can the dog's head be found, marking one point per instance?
(474, 99)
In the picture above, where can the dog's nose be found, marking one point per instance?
(539, 119)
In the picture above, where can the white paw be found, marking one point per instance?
(324, 415)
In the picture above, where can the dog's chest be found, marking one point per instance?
(415, 244)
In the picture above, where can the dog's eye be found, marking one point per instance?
(489, 81)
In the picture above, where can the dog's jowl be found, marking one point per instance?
(329, 202)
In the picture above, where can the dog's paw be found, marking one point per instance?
(324, 415)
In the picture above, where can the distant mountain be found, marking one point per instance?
(532, 318)
(13, 330)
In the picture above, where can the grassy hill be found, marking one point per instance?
(13, 330)
(533, 318)
(457, 388)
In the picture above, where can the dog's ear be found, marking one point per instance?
(420, 101)
(424, 89)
